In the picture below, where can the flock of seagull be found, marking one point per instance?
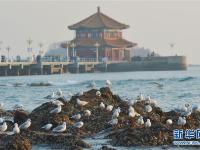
(185, 112)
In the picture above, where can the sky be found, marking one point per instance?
(153, 24)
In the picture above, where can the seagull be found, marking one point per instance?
(196, 108)
(59, 93)
(181, 121)
(109, 108)
(131, 109)
(56, 110)
(52, 96)
(60, 128)
(1, 105)
(78, 124)
(3, 127)
(98, 93)
(87, 113)
(184, 108)
(147, 123)
(57, 102)
(81, 103)
(115, 114)
(148, 108)
(92, 85)
(131, 114)
(140, 120)
(18, 107)
(148, 98)
(47, 126)
(1, 120)
(140, 97)
(108, 83)
(113, 121)
(169, 121)
(26, 124)
(102, 105)
(16, 129)
(76, 117)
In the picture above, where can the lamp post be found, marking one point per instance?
(40, 51)
(97, 51)
(29, 49)
(8, 50)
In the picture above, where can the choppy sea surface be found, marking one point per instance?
(169, 88)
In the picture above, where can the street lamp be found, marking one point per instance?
(8, 50)
(41, 51)
(29, 49)
(97, 51)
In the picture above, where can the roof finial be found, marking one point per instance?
(98, 9)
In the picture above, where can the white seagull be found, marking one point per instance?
(78, 124)
(169, 121)
(102, 105)
(98, 93)
(140, 97)
(113, 121)
(1, 105)
(115, 114)
(87, 113)
(109, 108)
(3, 127)
(140, 121)
(57, 102)
(47, 126)
(18, 107)
(26, 124)
(60, 128)
(52, 96)
(92, 85)
(76, 117)
(81, 103)
(147, 123)
(108, 83)
(56, 110)
(59, 93)
(181, 121)
(148, 108)
(16, 129)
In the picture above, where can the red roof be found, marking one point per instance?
(98, 20)
(118, 43)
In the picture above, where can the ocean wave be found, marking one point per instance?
(187, 79)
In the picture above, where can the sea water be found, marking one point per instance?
(170, 88)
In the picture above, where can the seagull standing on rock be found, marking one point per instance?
(60, 128)
(78, 124)
(102, 105)
(108, 83)
(47, 126)
(26, 124)
(147, 123)
(169, 121)
(56, 110)
(140, 121)
(59, 93)
(57, 102)
(16, 129)
(81, 103)
(76, 117)
(87, 113)
(140, 97)
(148, 108)
(181, 121)
(52, 96)
(3, 127)
(109, 108)
(113, 122)
(98, 93)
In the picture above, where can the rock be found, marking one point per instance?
(106, 148)
(15, 142)
(20, 116)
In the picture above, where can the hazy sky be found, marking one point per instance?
(153, 24)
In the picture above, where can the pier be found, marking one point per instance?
(47, 68)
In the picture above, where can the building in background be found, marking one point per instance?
(99, 37)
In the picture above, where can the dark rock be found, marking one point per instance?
(106, 148)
